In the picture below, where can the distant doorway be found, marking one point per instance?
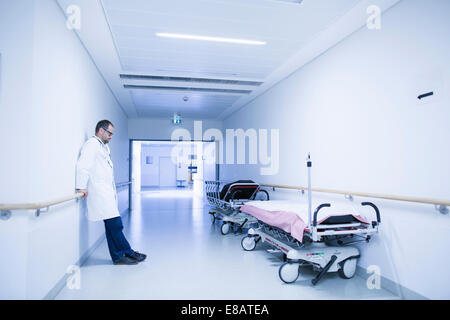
(171, 164)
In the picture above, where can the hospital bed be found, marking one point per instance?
(321, 240)
(225, 200)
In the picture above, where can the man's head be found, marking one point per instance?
(104, 130)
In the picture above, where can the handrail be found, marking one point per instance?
(122, 184)
(369, 195)
(39, 205)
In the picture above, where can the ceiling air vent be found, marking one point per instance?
(190, 80)
(187, 89)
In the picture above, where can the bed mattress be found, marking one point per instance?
(292, 216)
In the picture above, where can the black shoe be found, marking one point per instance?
(125, 260)
(139, 257)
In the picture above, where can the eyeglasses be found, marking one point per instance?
(110, 133)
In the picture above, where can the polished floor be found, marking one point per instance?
(188, 258)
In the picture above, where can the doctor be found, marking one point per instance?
(95, 178)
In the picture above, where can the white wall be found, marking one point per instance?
(161, 129)
(355, 108)
(52, 96)
(150, 172)
(15, 97)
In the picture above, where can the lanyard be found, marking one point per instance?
(106, 151)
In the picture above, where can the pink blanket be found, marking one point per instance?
(285, 220)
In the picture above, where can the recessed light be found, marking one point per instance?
(205, 38)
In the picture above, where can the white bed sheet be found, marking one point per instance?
(300, 208)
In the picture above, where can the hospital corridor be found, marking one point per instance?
(229, 158)
(190, 259)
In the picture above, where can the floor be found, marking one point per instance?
(188, 258)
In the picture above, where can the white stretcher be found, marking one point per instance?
(321, 239)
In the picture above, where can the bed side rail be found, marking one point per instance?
(323, 205)
(232, 192)
(342, 229)
(376, 211)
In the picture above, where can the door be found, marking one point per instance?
(167, 172)
(209, 160)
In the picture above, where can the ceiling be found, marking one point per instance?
(153, 76)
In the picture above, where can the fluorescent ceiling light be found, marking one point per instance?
(217, 39)
(291, 1)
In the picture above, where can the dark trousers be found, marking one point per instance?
(117, 243)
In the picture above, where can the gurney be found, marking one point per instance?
(225, 202)
(321, 240)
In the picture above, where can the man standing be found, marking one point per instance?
(95, 178)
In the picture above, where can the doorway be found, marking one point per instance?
(172, 164)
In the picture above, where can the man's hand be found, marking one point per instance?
(83, 191)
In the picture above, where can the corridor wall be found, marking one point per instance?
(51, 97)
(355, 109)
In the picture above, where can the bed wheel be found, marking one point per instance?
(225, 228)
(348, 269)
(248, 243)
(289, 272)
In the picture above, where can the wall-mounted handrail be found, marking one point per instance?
(46, 204)
(122, 184)
(39, 205)
(368, 195)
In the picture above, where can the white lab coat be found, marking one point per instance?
(96, 174)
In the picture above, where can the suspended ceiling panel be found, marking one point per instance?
(121, 37)
(285, 27)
